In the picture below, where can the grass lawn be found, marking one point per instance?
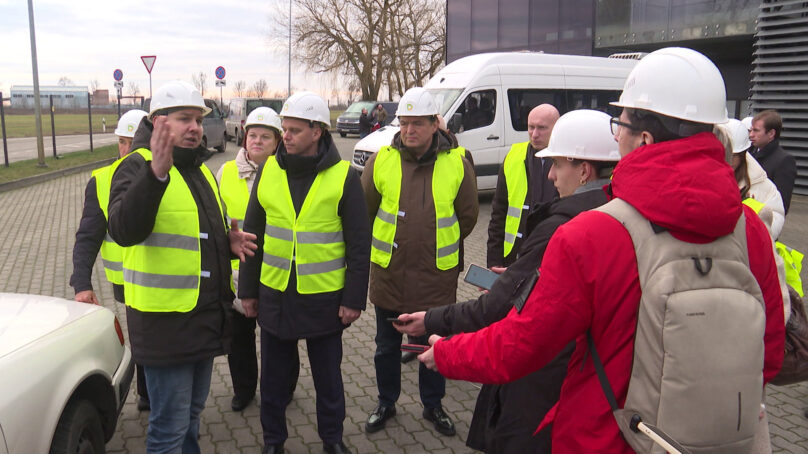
(334, 115)
(25, 125)
(23, 169)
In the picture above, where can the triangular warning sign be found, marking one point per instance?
(148, 61)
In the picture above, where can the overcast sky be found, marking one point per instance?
(88, 39)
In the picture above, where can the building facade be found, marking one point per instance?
(69, 97)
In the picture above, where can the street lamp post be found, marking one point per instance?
(40, 145)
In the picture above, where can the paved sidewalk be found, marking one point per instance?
(38, 225)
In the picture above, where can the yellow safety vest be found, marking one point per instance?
(447, 174)
(791, 257)
(313, 240)
(162, 273)
(516, 182)
(235, 194)
(111, 253)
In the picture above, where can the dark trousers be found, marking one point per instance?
(278, 360)
(243, 360)
(142, 390)
(432, 385)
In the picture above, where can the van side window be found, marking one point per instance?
(522, 101)
(478, 109)
(214, 112)
(594, 99)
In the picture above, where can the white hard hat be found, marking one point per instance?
(128, 123)
(582, 134)
(416, 102)
(177, 94)
(264, 116)
(738, 135)
(306, 105)
(747, 123)
(677, 82)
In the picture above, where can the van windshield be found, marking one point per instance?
(274, 104)
(358, 106)
(444, 97)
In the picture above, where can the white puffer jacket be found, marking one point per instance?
(764, 191)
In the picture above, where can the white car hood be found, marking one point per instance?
(377, 139)
(25, 318)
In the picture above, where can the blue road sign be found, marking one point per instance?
(220, 72)
(117, 74)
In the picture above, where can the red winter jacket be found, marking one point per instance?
(589, 281)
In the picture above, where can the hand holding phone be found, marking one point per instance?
(396, 321)
(414, 348)
(481, 277)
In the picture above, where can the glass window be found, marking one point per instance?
(478, 109)
(544, 22)
(484, 22)
(522, 101)
(444, 98)
(593, 99)
(458, 27)
(513, 24)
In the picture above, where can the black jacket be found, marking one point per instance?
(89, 237)
(780, 167)
(288, 314)
(364, 123)
(506, 415)
(166, 338)
(539, 190)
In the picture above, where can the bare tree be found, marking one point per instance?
(200, 81)
(239, 88)
(259, 88)
(133, 88)
(94, 85)
(417, 48)
(64, 81)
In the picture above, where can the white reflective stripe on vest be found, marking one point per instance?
(387, 217)
(447, 222)
(279, 233)
(111, 265)
(277, 262)
(304, 269)
(164, 281)
(448, 250)
(381, 245)
(169, 240)
(319, 237)
(515, 212)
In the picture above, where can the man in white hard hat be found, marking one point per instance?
(236, 178)
(91, 237)
(308, 211)
(422, 200)
(682, 191)
(166, 212)
(521, 184)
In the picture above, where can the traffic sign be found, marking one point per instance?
(220, 72)
(118, 84)
(117, 75)
(220, 83)
(148, 60)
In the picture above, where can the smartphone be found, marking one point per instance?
(396, 321)
(481, 277)
(415, 348)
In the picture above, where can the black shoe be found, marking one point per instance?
(273, 449)
(443, 423)
(143, 404)
(240, 402)
(407, 357)
(336, 448)
(378, 418)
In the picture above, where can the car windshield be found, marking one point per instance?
(273, 104)
(444, 97)
(358, 106)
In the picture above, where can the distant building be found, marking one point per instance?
(101, 98)
(69, 97)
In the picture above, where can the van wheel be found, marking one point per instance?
(223, 146)
(343, 134)
(79, 430)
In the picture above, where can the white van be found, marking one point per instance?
(504, 87)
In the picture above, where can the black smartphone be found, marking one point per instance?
(415, 348)
(396, 321)
(481, 277)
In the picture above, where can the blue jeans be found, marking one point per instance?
(431, 384)
(177, 394)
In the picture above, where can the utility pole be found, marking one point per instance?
(289, 78)
(40, 145)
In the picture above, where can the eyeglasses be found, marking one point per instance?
(615, 122)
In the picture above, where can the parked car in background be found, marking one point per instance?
(64, 374)
(238, 110)
(486, 98)
(348, 122)
(213, 131)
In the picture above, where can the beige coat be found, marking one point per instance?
(412, 282)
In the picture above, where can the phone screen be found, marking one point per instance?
(481, 277)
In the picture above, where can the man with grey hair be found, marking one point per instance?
(522, 183)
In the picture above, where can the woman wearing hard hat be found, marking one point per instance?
(236, 178)
(506, 416)
(90, 237)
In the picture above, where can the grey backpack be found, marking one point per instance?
(697, 375)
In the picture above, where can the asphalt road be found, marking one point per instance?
(22, 148)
